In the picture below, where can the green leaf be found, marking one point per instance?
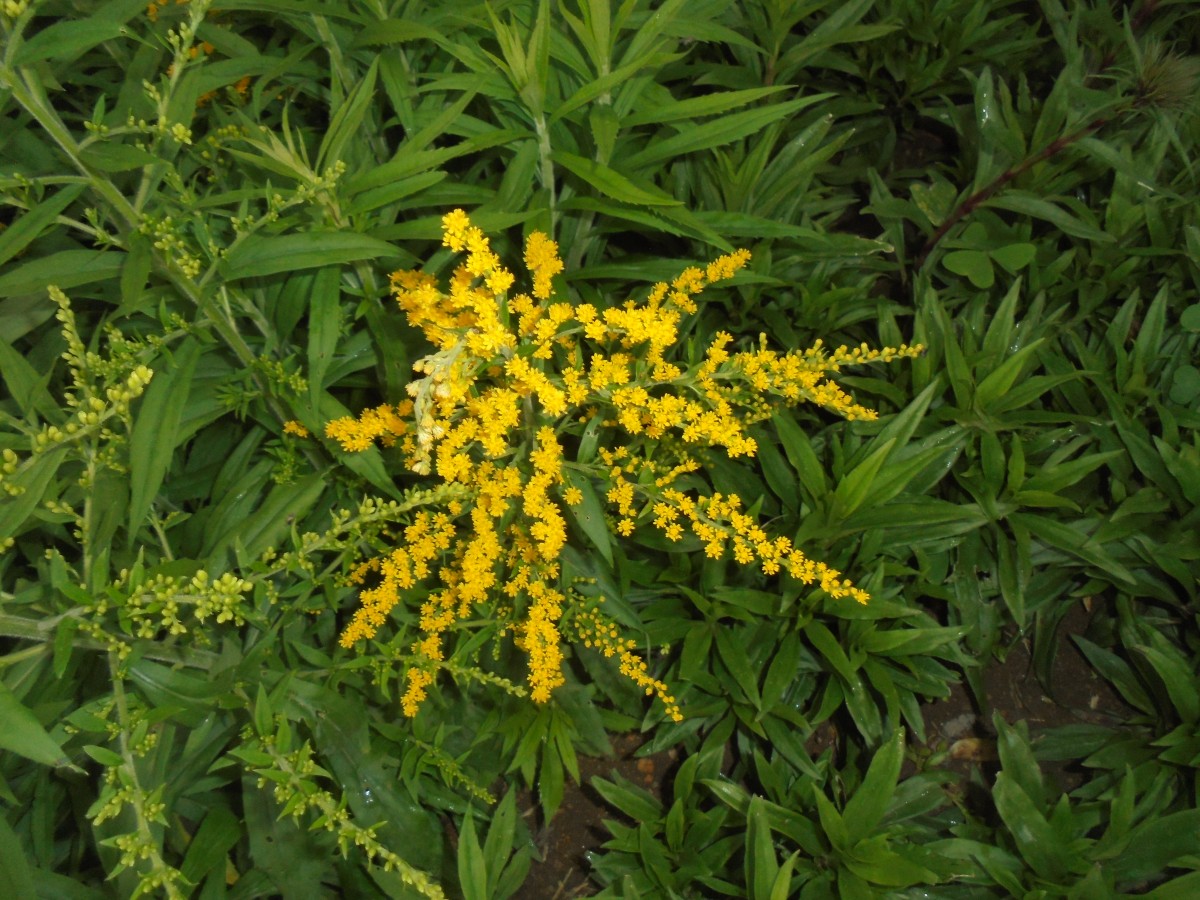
(589, 515)
(735, 659)
(639, 805)
(25, 385)
(1072, 542)
(258, 255)
(499, 842)
(26, 229)
(852, 491)
(1017, 759)
(762, 866)
(1156, 844)
(395, 31)
(1177, 677)
(324, 329)
(24, 735)
(864, 811)
(1190, 318)
(1014, 257)
(472, 866)
(283, 506)
(110, 157)
(550, 780)
(1035, 839)
(1185, 385)
(999, 380)
(1040, 208)
(612, 183)
(1185, 887)
(155, 430)
(31, 482)
(16, 879)
(832, 823)
(67, 39)
(719, 131)
(698, 107)
(207, 852)
(348, 118)
(67, 269)
(974, 264)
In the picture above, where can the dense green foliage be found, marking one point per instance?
(218, 194)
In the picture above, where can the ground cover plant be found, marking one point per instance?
(404, 403)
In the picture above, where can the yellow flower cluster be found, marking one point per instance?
(719, 521)
(596, 632)
(509, 384)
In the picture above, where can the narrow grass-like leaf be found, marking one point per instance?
(66, 268)
(25, 386)
(720, 131)
(499, 841)
(762, 866)
(639, 805)
(852, 491)
(1067, 539)
(206, 852)
(999, 380)
(152, 442)
(24, 735)
(612, 183)
(348, 119)
(589, 516)
(26, 229)
(738, 663)
(1157, 843)
(67, 39)
(699, 107)
(259, 255)
(1040, 208)
(472, 866)
(324, 329)
(16, 879)
(30, 484)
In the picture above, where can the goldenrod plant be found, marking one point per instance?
(540, 407)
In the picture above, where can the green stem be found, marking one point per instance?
(547, 166)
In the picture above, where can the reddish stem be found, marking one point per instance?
(982, 195)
